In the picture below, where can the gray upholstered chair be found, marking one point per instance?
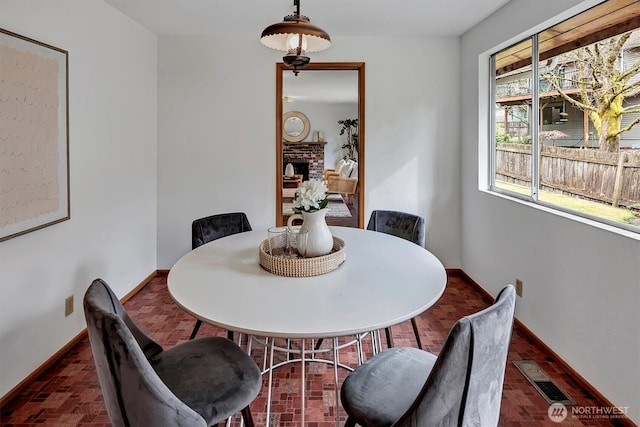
(462, 386)
(197, 383)
(406, 226)
(205, 230)
(401, 224)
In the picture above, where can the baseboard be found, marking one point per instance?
(63, 351)
(458, 272)
(41, 369)
(572, 373)
(137, 289)
(545, 348)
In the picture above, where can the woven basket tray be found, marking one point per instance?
(303, 267)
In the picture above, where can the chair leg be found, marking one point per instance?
(195, 329)
(350, 422)
(414, 323)
(318, 344)
(248, 418)
(387, 331)
(230, 335)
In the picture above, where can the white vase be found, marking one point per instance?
(319, 237)
(288, 170)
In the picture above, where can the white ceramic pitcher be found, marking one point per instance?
(319, 237)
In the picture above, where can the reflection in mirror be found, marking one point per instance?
(329, 100)
(295, 126)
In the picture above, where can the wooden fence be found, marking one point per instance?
(612, 178)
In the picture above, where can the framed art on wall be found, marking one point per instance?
(34, 139)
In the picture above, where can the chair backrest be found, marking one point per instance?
(205, 230)
(401, 224)
(341, 185)
(133, 393)
(465, 384)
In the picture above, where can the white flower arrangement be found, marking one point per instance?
(312, 196)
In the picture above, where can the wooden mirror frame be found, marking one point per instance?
(356, 66)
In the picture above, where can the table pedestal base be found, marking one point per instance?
(304, 355)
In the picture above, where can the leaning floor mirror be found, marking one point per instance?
(320, 135)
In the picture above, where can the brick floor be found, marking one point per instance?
(68, 394)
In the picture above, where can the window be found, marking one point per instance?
(566, 123)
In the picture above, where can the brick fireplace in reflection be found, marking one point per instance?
(307, 158)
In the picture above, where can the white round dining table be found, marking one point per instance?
(384, 281)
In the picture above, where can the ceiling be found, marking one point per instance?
(337, 17)
(335, 86)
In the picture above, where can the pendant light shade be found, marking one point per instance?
(283, 35)
(296, 36)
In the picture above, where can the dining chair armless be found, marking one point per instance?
(197, 383)
(462, 386)
(210, 228)
(400, 224)
(406, 226)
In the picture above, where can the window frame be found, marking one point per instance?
(532, 199)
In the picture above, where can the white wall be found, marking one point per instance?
(216, 148)
(113, 136)
(581, 282)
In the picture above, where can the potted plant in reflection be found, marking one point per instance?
(350, 127)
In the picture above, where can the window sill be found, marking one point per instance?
(555, 210)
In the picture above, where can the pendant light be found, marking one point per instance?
(296, 36)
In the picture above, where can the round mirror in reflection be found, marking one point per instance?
(295, 126)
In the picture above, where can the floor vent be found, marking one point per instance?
(541, 381)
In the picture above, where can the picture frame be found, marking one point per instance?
(34, 135)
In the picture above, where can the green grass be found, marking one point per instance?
(596, 209)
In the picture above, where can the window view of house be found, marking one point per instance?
(567, 130)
